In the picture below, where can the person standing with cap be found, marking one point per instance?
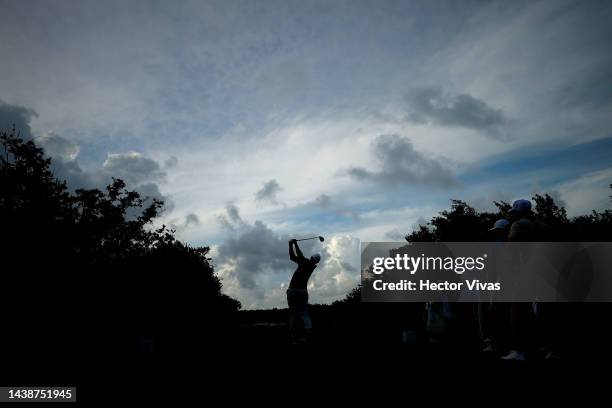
(524, 228)
(499, 232)
(490, 314)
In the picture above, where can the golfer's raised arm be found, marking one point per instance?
(299, 253)
(292, 255)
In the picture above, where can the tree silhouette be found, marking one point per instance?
(463, 223)
(81, 271)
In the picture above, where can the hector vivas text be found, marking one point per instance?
(432, 264)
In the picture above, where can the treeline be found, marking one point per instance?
(86, 271)
(463, 223)
(586, 328)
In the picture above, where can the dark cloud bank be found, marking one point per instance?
(252, 250)
(18, 116)
(400, 163)
(268, 193)
(434, 105)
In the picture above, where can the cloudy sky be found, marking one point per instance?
(258, 121)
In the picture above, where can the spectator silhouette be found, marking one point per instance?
(491, 315)
(525, 228)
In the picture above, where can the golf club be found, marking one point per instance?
(306, 239)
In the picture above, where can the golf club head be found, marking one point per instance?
(321, 239)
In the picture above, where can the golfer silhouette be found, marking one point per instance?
(300, 326)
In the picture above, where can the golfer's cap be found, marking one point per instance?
(502, 223)
(521, 206)
(316, 258)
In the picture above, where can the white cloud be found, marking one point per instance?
(57, 147)
(588, 192)
(339, 270)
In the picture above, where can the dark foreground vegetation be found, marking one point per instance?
(83, 276)
(85, 273)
